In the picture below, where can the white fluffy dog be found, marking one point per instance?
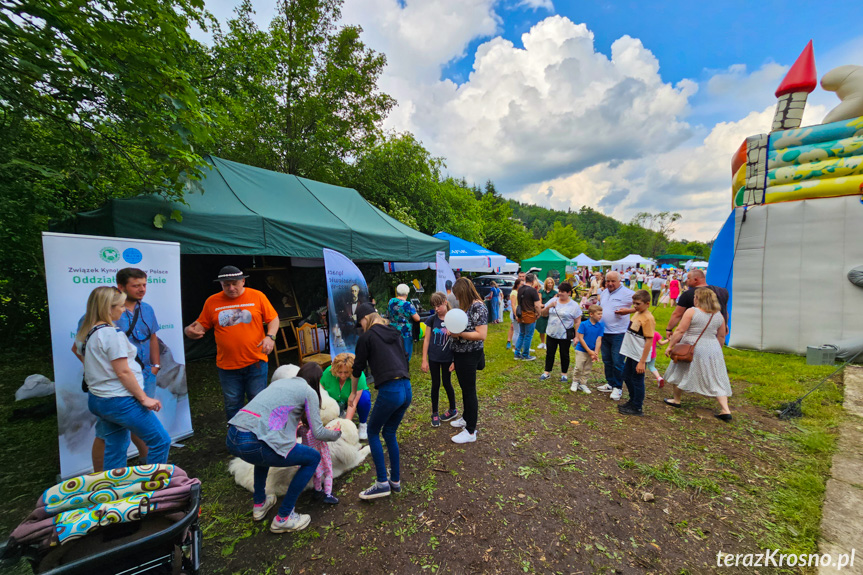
(346, 452)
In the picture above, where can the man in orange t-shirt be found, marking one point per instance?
(238, 314)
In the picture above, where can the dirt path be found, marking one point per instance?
(557, 483)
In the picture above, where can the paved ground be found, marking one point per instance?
(842, 519)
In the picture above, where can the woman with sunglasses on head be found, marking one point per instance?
(564, 316)
(116, 384)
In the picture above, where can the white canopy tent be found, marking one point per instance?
(696, 265)
(631, 261)
(584, 261)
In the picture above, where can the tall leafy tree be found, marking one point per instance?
(565, 240)
(303, 97)
(95, 101)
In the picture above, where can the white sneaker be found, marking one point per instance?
(295, 522)
(540, 346)
(260, 512)
(363, 431)
(464, 437)
(615, 395)
(605, 388)
(583, 388)
(574, 386)
(460, 422)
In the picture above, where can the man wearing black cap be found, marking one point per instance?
(238, 314)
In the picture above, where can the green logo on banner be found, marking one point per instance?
(109, 254)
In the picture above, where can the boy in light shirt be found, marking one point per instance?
(589, 338)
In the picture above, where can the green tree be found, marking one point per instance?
(563, 239)
(96, 101)
(303, 97)
(502, 233)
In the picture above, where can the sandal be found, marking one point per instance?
(671, 403)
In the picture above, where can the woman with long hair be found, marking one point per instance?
(380, 347)
(704, 327)
(546, 293)
(468, 355)
(116, 384)
(264, 433)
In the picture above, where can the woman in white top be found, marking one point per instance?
(115, 383)
(564, 315)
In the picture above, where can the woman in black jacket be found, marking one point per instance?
(380, 346)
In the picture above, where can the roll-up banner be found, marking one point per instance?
(444, 273)
(346, 288)
(74, 266)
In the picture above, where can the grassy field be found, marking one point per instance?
(508, 503)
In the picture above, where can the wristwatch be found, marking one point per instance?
(272, 337)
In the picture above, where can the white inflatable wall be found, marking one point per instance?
(790, 274)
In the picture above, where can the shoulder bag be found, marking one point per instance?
(84, 387)
(570, 331)
(684, 352)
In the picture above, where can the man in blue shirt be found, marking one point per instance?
(142, 319)
(616, 302)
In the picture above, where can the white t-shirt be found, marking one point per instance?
(107, 344)
(561, 317)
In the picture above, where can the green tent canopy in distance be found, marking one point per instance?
(546, 261)
(242, 210)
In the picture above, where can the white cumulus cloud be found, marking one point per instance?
(553, 106)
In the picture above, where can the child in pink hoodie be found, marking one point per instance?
(651, 365)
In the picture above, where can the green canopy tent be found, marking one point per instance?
(242, 210)
(547, 261)
(237, 212)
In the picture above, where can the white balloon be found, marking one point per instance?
(455, 321)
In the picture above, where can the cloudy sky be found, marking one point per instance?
(623, 106)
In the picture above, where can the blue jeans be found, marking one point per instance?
(237, 384)
(120, 415)
(612, 359)
(525, 336)
(364, 405)
(409, 346)
(247, 446)
(634, 383)
(394, 398)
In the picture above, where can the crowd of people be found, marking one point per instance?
(265, 421)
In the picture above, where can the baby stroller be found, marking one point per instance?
(132, 520)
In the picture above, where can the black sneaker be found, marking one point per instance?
(450, 414)
(628, 410)
(331, 499)
(318, 495)
(435, 420)
(396, 487)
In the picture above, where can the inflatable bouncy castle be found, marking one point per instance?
(791, 252)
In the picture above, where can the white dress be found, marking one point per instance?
(706, 375)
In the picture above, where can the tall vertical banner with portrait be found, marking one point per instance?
(346, 289)
(74, 266)
(444, 273)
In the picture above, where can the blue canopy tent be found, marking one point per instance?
(463, 255)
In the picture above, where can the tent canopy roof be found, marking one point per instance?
(633, 259)
(469, 256)
(584, 260)
(548, 255)
(243, 210)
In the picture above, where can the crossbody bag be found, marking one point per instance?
(685, 352)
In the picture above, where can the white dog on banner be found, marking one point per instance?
(346, 452)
